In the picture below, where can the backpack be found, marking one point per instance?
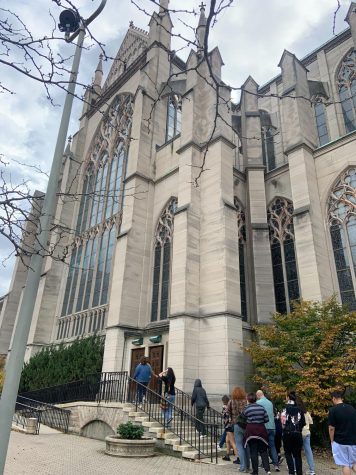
(293, 423)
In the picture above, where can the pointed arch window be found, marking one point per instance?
(342, 222)
(346, 82)
(241, 226)
(99, 218)
(174, 117)
(320, 119)
(268, 131)
(162, 263)
(284, 266)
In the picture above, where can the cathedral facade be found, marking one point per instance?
(190, 218)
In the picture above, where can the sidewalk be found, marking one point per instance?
(54, 453)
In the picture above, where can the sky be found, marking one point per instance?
(251, 36)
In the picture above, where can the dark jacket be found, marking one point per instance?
(292, 418)
(169, 382)
(199, 397)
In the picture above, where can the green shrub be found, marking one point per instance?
(60, 364)
(130, 431)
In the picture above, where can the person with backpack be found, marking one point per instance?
(293, 421)
(306, 436)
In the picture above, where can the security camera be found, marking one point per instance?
(68, 21)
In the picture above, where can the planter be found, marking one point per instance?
(144, 447)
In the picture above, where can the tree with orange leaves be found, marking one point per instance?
(311, 350)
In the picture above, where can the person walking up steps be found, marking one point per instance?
(201, 402)
(169, 379)
(142, 375)
(342, 432)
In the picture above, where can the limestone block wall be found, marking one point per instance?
(85, 413)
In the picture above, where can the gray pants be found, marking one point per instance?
(200, 416)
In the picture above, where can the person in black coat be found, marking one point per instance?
(169, 379)
(201, 402)
(293, 421)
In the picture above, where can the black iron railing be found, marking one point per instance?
(211, 416)
(119, 387)
(196, 434)
(23, 413)
(49, 415)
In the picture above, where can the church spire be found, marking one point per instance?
(163, 6)
(201, 29)
(98, 75)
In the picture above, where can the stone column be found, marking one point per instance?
(262, 303)
(300, 139)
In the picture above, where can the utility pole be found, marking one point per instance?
(70, 22)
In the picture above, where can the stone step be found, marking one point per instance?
(172, 441)
(190, 454)
(151, 424)
(156, 430)
(182, 447)
(142, 418)
(136, 414)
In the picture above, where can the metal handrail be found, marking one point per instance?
(120, 387)
(23, 412)
(49, 415)
(183, 424)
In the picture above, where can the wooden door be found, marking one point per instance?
(155, 357)
(136, 355)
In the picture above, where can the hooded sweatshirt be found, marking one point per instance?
(199, 397)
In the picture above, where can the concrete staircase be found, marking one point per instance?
(170, 440)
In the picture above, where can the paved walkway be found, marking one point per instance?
(53, 453)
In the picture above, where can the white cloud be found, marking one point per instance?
(251, 36)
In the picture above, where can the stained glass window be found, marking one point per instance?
(241, 225)
(284, 265)
(321, 124)
(346, 82)
(99, 214)
(174, 116)
(342, 222)
(162, 263)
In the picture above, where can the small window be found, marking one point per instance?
(174, 117)
(268, 154)
(320, 119)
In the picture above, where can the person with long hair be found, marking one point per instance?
(256, 437)
(306, 435)
(236, 406)
(293, 421)
(229, 429)
(168, 377)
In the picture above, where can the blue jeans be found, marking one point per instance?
(141, 390)
(243, 453)
(272, 446)
(169, 411)
(222, 439)
(308, 453)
